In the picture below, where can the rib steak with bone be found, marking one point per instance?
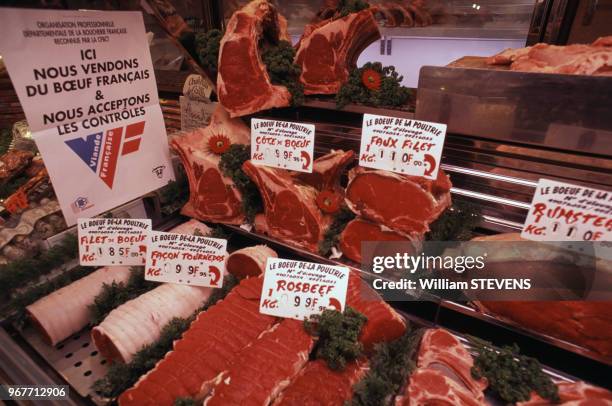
(212, 195)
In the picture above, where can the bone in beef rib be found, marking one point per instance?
(577, 59)
(291, 213)
(328, 50)
(359, 230)
(327, 170)
(243, 83)
(405, 204)
(212, 196)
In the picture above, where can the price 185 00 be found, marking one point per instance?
(122, 252)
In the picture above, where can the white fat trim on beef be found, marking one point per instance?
(66, 311)
(139, 322)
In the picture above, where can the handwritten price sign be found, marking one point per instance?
(104, 242)
(564, 212)
(402, 145)
(282, 144)
(297, 290)
(185, 259)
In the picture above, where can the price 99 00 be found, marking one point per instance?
(309, 302)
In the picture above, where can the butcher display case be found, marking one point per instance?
(505, 131)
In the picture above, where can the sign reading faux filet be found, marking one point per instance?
(100, 151)
(402, 145)
(297, 289)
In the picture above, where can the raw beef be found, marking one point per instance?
(139, 322)
(243, 83)
(327, 170)
(442, 351)
(249, 261)
(212, 195)
(430, 387)
(574, 394)
(291, 214)
(587, 324)
(317, 384)
(383, 324)
(576, 59)
(443, 375)
(360, 230)
(328, 50)
(405, 204)
(262, 370)
(205, 350)
(65, 311)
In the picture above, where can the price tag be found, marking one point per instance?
(108, 241)
(297, 290)
(282, 144)
(185, 259)
(402, 145)
(565, 212)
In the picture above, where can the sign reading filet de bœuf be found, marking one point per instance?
(297, 290)
(107, 242)
(402, 145)
(282, 144)
(185, 259)
(86, 83)
(565, 212)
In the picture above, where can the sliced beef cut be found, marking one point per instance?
(291, 213)
(327, 170)
(443, 375)
(328, 50)
(318, 385)
(262, 370)
(576, 59)
(243, 83)
(442, 351)
(384, 324)
(587, 324)
(249, 261)
(574, 394)
(205, 350)
(360, 230)
(405, 204)
(430, 387)
(212, 195)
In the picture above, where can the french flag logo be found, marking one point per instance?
(101, 151)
